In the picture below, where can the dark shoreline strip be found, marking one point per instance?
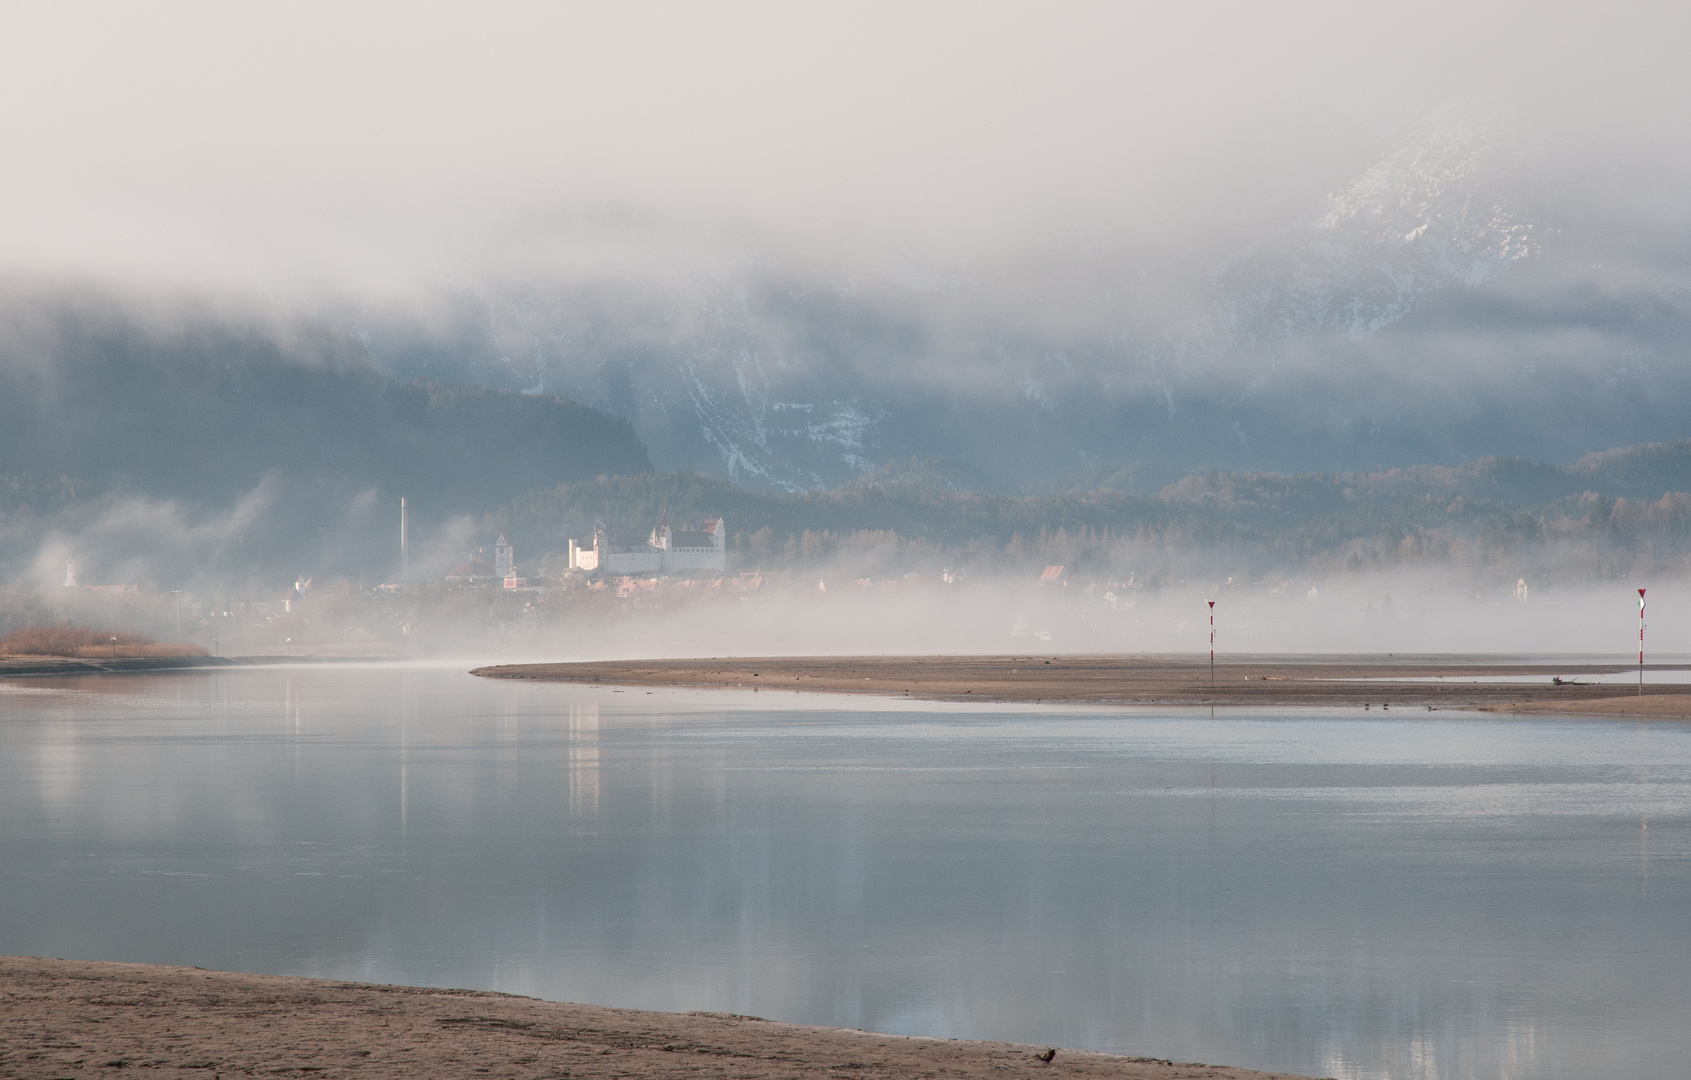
(69, 665)
(22, 666)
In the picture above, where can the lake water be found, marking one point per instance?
(1333, 893)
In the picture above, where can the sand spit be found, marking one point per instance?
(1629, 706)
(1133, 680)
(72, 1018)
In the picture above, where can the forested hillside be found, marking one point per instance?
(1611, 513)
(206, 408)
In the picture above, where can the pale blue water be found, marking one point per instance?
(1334, 893)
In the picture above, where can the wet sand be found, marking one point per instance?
(1374, 682)
(69, 1018)
(1676, 706)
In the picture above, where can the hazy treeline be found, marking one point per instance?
(1610, 514)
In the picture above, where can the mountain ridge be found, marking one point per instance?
(1432, 309)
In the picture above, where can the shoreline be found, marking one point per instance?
(1268, 681)
(84, 665)
(27, 666)
(1360, 682)
(70, 1017)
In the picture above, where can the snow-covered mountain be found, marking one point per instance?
(1449, 206)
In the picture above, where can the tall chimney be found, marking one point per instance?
(404, 550)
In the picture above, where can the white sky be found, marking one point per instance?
(238, 140)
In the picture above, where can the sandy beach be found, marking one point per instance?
(62, 1018)
(1420, 682)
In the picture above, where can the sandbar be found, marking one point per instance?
(73, 1018)
(1419, 682)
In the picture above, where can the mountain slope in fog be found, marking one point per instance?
(1457, 298)
(1447, 207)
(204, 408)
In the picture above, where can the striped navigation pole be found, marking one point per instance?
(1212, 645)
(1640, 642)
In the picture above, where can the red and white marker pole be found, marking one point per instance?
(1212, 644)
(1640, 642)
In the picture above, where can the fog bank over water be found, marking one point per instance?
(1437, 560)
(1385, 614)
(786, 615)
(1364, 303)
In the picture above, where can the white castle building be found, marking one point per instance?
(666, 551)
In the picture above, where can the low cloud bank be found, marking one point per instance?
(788, 614)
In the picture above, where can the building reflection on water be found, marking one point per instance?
(584, 766)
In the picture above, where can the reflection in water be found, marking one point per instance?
(1644, 855)
(584, 765)
(1329, 894)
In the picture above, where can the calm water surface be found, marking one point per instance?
(1329, 893)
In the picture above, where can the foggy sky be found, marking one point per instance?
(376, 144)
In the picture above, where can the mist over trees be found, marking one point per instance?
(183, 444)
(178, 443)
(203, 405)
(1609, 515)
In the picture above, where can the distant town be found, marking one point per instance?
(493, 595)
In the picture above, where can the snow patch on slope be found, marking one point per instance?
(1448, 206)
